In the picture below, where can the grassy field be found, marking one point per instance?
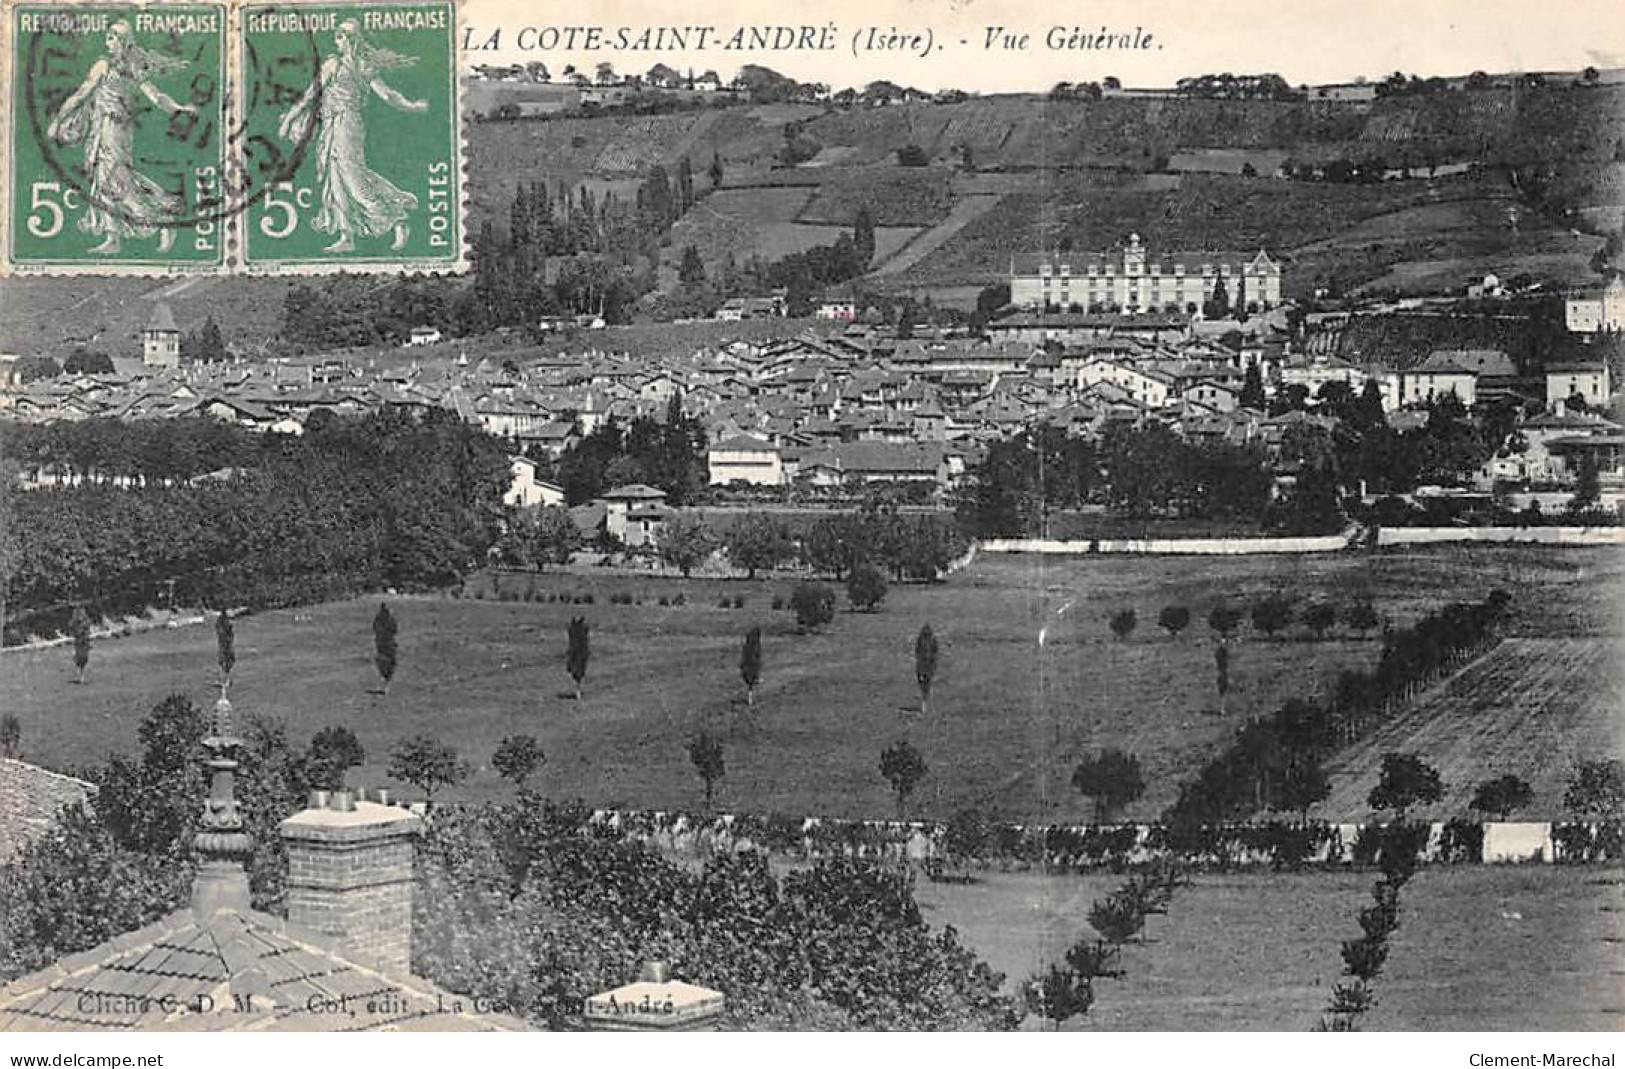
(1478, 948)
(894, 196)
(1010, 715)
(762, 221)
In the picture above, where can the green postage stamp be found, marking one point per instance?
(115, 148)
(351, 121)
(237, 137)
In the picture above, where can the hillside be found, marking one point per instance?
(1040, 173)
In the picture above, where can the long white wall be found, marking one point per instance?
(1216, 547)
(1551, 536)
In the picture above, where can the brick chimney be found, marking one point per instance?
(350, 877)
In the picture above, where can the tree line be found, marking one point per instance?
(1136, 471)
(357, 504)
(1275, 761)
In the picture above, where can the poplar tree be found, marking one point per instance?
(750, 663)
(385, 650)
(578, 652)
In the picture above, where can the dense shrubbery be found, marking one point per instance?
(523, 905)
(1137, 471)
(909, 547)
(386, 500)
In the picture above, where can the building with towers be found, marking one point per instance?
(1131, 279)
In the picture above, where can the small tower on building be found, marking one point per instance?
(161, 339)
(222, 847)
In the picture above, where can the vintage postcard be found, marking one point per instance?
(991, 516)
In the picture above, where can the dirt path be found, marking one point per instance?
(964, 211)
(691, 137)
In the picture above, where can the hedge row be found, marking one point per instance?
(1077, 848)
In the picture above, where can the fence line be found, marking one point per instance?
(1086, 847)
(1191, 546)
(1551, 536)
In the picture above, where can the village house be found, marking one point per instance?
(746, 459)
(634, 515)
(1312, 373)
(30, 798)
(1149, 388)
(1586, 379)
(1596, 310)
(1544, 449)
(876, 462)
(1457, 371)
(840, 311)
(525, 490)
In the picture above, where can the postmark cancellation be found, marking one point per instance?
(229, 138)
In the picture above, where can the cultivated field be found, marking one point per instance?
(1531, 707)
(1478, 948)
(761, 221)
(894, 196)
(1030, 677)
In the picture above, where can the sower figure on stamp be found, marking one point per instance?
(355, 199)
(124, 202)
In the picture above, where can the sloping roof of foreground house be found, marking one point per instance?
(219, 965)
(232, 971)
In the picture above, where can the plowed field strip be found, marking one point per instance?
(1532, 707)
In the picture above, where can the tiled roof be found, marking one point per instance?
(231, 972)
(1192, 260)
(635, 492)
(1468, 361)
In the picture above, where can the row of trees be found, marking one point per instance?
(1062, 992)
(144, 452)
(1270, 614)
(1275, 761)
(384, 500)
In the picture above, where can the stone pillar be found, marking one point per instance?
(350, 877)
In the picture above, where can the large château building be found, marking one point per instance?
(1131, 280)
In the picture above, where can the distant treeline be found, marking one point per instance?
(355, 504)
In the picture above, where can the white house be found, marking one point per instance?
(748, 459)
(423, 336)
(1455, 371)
(839, 311)
(1597, 310)
(525, 490)
(1588, 379)
(634, 514)
(1149, 388)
